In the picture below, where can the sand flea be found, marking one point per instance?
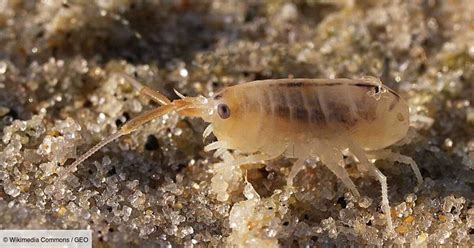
(297, 118)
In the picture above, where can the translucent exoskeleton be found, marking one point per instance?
(296, 118)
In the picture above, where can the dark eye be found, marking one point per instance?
(223, 111)
(377, 89)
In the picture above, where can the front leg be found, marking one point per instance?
(259, 156)
(228, 174)
(255, 158)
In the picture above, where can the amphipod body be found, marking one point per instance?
(297, 114)
(297, 118)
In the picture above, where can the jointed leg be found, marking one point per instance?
(213, 146)
(360, 154)
(258, 157)
(335, 163)
(393, 156)
(254, 158)
(145, 90)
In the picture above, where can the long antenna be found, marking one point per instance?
(71, 168)
(129, 127)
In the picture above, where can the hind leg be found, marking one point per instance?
(360, 154)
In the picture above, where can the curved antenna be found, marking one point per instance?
(129, 127)
(71, 168)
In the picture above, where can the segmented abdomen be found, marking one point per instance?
(311, 104)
